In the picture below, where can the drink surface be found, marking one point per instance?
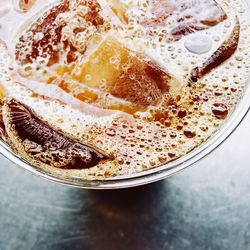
(99, 89)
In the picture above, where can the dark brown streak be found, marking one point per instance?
(3, 134)
(221, 55)
(44, 144)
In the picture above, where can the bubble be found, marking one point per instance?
(198, 44)
(189, 133)
(172, 155)
(239, 58)
(220, 110)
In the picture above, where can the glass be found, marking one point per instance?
(149, 176)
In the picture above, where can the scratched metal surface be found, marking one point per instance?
(205, 207)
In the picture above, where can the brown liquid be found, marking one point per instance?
(94, 63)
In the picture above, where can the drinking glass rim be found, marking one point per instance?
(148, 176)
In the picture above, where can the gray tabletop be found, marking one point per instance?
(205, 207)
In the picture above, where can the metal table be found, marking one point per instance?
(205, 207)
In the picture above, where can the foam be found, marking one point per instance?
(152, 137)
